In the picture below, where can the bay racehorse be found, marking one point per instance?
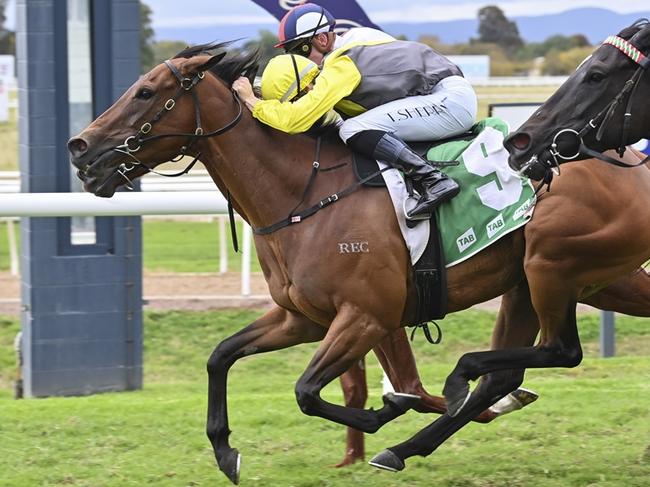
(351, 302)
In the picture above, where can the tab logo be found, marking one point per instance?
(466, 240)
(521, 211)
(495, 226)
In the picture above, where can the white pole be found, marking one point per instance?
(223, 253)
(246, 261)
(122, 204)
(13, 252)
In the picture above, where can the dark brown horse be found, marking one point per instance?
(352, 302)
(604, 104)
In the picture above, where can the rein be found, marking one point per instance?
(602, 119)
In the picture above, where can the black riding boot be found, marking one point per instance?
(436, 186)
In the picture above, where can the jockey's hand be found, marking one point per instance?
(244, 89)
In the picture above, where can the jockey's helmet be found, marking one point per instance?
(304, 22)
(286, 76)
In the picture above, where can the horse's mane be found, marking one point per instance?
(246, 64)
(232, 66)
(630, 31)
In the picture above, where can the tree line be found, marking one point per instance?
(510, 55)
(497, 37)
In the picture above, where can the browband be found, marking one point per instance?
(629, 49)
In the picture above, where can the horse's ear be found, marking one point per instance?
(213, 61)
(642, 39)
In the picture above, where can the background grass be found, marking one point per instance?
(9, 140)
(172, 246)
(189, 246)
(591, 426)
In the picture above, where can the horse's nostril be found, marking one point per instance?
(520, 141)
(77, 146)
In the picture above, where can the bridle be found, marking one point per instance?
(602, 119)
(134, 143)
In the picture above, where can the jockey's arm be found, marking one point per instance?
(338, 79)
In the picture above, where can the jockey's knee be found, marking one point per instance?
(349, 129)
(365, 141)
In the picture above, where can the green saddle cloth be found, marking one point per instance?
(493, 201)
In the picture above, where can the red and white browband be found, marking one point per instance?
(628, 49)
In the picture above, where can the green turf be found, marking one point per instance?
(591, 426)
(9, 141)
(172, 246)
(189, 246)
(4, 244)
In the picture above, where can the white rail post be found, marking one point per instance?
(246, 261)
(223, 252)
(13, 252)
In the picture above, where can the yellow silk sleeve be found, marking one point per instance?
(338, 79)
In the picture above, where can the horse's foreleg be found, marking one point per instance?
(554, 300)
(277, 329)
(349, 338)
(426, 441)
(355, 394)
(629, 295)
(396, 358)
(516, 325)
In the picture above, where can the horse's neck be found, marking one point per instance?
(264, 171)
(225, 192)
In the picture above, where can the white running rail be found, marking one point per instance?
(211, 202)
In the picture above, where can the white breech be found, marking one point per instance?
(450, 110)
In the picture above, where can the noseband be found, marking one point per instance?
(602, 119)
(134, 143)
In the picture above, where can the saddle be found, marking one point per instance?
(494, 202)
(429, 272)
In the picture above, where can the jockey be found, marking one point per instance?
(389, 91)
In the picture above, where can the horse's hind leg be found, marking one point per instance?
(355, 394)
(350, 337)
(277, 329)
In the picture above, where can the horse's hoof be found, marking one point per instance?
(230, 464)
(513, 401)
(525, 396)
(387, 460)
(401, 401)
(456, 403)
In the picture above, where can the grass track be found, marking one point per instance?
(171, 246)
(591, 426)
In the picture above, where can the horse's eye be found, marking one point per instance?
(595, 77)
(144, 94)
